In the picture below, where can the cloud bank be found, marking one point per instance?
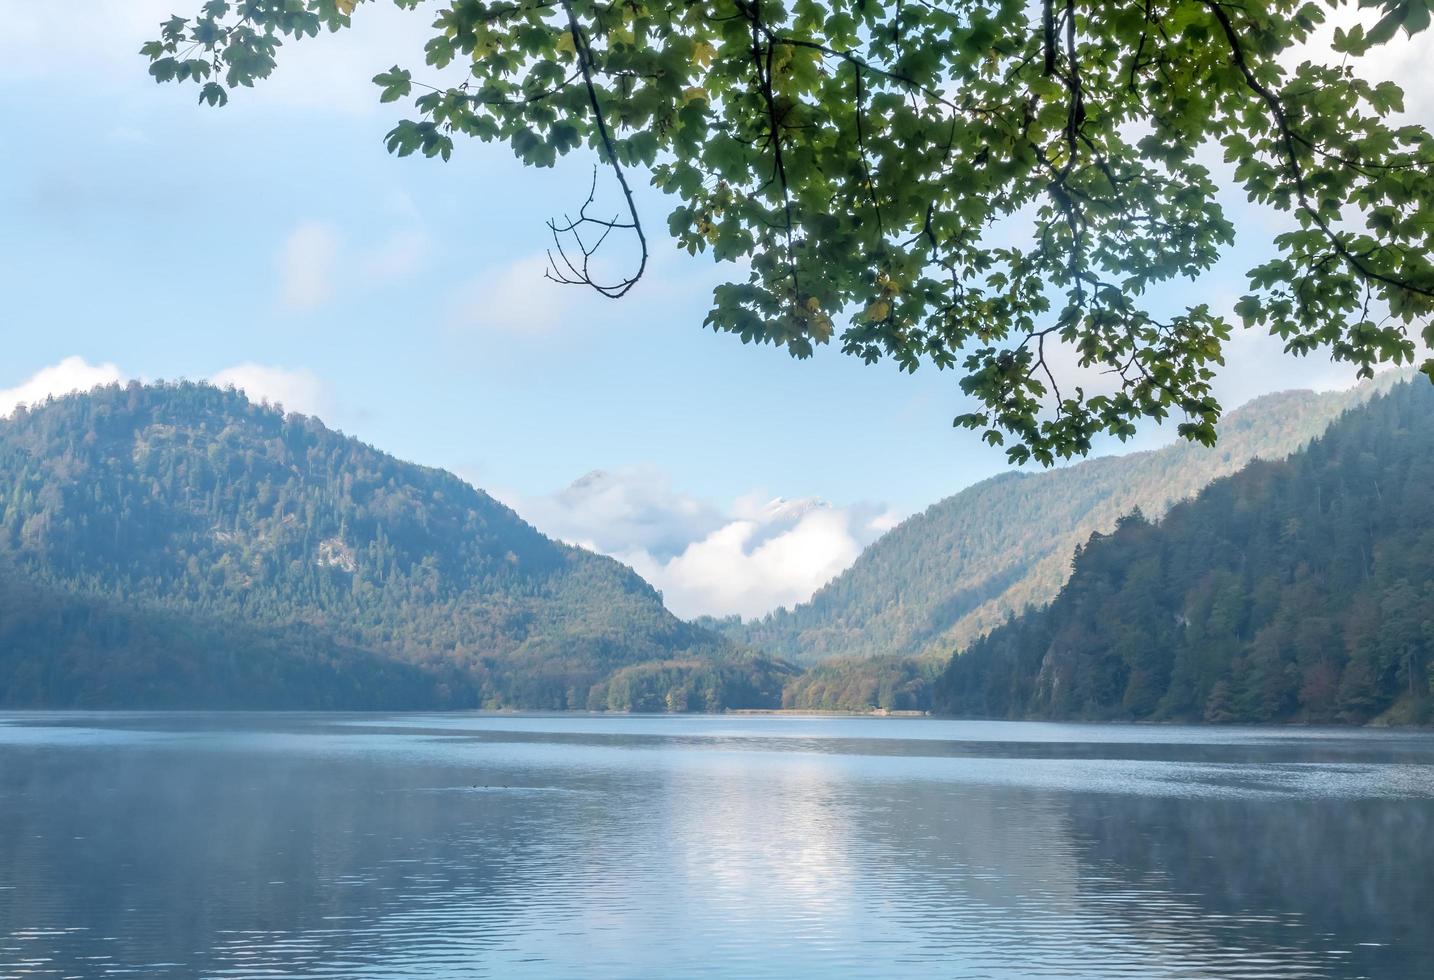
(746, 559)
(514, 298)
(71, 374)
(297, 390)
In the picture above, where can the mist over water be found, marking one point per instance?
(282, 845)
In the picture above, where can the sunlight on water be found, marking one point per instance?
(271, 845)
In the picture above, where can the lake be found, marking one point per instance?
(466, 845)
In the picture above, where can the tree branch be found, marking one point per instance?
(582, 276)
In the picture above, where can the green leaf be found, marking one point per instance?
(214, 94)
(396, 84)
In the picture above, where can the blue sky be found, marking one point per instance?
(277, 245)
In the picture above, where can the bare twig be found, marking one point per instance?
(579, 273)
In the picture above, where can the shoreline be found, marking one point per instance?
(831, 712)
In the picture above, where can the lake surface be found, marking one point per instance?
(467, 845)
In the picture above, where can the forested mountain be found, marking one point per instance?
(1294, 590)
(947, 575)
(178, 545)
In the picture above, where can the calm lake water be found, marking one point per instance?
(463, 845)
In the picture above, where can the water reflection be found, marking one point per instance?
(457, 846)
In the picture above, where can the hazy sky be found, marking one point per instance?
(276, 245)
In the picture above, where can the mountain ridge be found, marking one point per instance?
(207, 512)
(965, 564)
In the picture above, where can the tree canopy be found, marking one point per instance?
(971, 184)
(1299, 590)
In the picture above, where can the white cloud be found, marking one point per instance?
(776, 557)
(885, 521)
(396, 258)
(306, 266)
(747, 558)
(296, 390)
(314, 263)
(71, 374)
(1256, 364)
(624, 510)
(513, 298)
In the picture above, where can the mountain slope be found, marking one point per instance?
(1294, 590)
(965, 564)
(59, 649)
(156, 519)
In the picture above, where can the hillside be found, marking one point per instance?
(1300, 590)
(178, 545)
(965, 564)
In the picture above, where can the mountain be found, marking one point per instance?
(1300, 590)
(967, 563)
(177, 545)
